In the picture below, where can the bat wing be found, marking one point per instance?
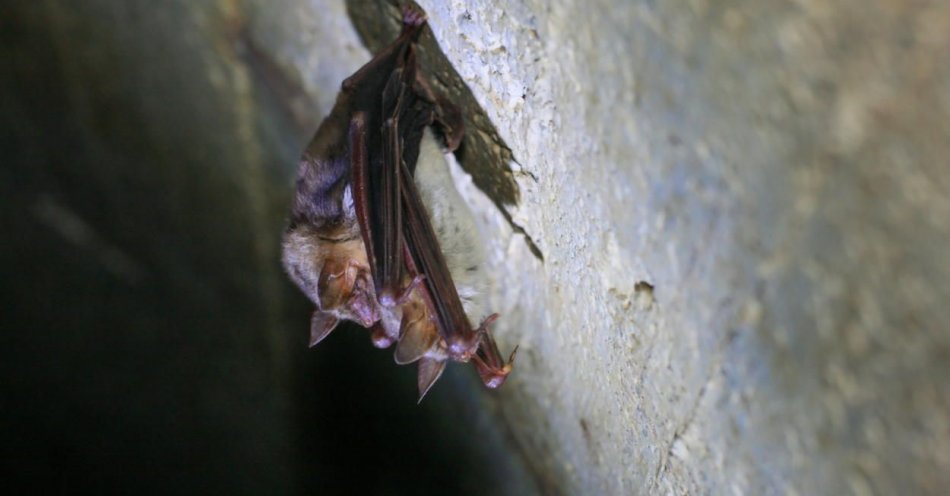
(395, 225)
(393, 132)
(440, 294)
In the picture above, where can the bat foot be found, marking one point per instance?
(412, 17)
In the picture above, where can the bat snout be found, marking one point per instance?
(364, 311)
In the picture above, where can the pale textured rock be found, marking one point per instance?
(776, 173)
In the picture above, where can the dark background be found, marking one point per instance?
(152, 342)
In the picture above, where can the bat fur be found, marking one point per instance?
(306, 247)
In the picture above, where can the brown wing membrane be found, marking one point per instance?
(385, 212)
(395, 130)
(423, 246)
(463, 342)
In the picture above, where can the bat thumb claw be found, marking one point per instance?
(511, 357)
(483, 327)
(388, 299)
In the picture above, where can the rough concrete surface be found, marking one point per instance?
(743, 214)
(741, 208)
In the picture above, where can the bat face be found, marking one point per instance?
(329, 266)
(362, 245)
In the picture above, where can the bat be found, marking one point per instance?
(360, 243)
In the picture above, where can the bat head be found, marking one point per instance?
(329, 265)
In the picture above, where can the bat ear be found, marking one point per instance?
(321, 324)
(429, 371)
(416, 338)
(336, 282)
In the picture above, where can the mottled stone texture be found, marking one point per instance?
(742, 210)
(745, 224)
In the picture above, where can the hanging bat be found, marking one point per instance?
(360, 242)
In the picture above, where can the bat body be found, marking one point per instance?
(361, 241)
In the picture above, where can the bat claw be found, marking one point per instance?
(412, 18)
(511, 357)
(483, 327)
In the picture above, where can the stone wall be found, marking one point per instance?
(716, 231)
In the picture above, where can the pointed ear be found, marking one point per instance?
(429, 371)
(414, 343)
(321, 324)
